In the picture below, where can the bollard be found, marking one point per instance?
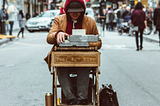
(49, 99)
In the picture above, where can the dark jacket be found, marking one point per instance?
(111, 16)
(119, 12)
(7, 16)
(157, 18)
(126, 16)
(138, 17)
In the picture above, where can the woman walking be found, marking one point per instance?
(138, 18)
(21, 23)
(12, 13)
(157, 19)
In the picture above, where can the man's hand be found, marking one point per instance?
(61, 37)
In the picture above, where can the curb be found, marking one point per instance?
(151, 39)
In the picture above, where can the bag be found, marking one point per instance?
(135, 28)
(108, 96)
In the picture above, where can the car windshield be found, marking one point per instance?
(49, 14)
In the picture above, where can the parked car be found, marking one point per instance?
(42, 21)
(90, 12)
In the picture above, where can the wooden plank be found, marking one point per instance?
(55, 82)
(75, 59)
(3, 37)
(11, 36)
(97, 87)
(75, 105)
(75, 48)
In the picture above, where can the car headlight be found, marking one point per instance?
(45, 21)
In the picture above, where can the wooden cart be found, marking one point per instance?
(77, 57)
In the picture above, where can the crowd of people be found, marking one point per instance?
(8, 15)
(140, 16)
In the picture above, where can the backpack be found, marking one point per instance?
(108, 96)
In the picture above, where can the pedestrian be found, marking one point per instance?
(103, 18)
(119, 12)
(62, 27)
(7, 22)
(21, 20)
(11, 11)
(62, 8)
(111, 17)
(28, 16)
(126, 15)
(1, 17)
(149, 20)
(157, 19)
(138, 18)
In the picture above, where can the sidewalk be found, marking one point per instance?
(152, 37)
(2, 41)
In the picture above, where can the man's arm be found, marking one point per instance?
(51, 39)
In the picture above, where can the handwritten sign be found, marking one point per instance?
(81, 59)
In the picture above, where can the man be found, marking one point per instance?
(111, 17)
(119, 12)
(7, 22)
(62, 27)
(126, 15)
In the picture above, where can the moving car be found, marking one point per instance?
(42, 21)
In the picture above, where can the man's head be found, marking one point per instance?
(151, 9)
(128, 8)
(74, 8)
(148, 13)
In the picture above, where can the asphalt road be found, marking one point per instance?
(25, 79)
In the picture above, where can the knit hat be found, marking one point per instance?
(75, 6)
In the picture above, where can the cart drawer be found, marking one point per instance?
(75, 59)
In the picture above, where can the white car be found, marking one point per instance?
(42, 21)
(90, 13)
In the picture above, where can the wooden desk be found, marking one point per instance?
(89, 58)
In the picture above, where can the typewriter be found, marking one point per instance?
(79, 40)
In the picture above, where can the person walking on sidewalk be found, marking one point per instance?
(11, 11)
(21, 23)
(7, 22)
(157, 19)
(138, 18)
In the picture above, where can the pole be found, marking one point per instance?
(4, 3)
(35, 6)
(3, 21)
(29, 6)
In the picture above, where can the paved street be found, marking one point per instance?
(135, 75)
